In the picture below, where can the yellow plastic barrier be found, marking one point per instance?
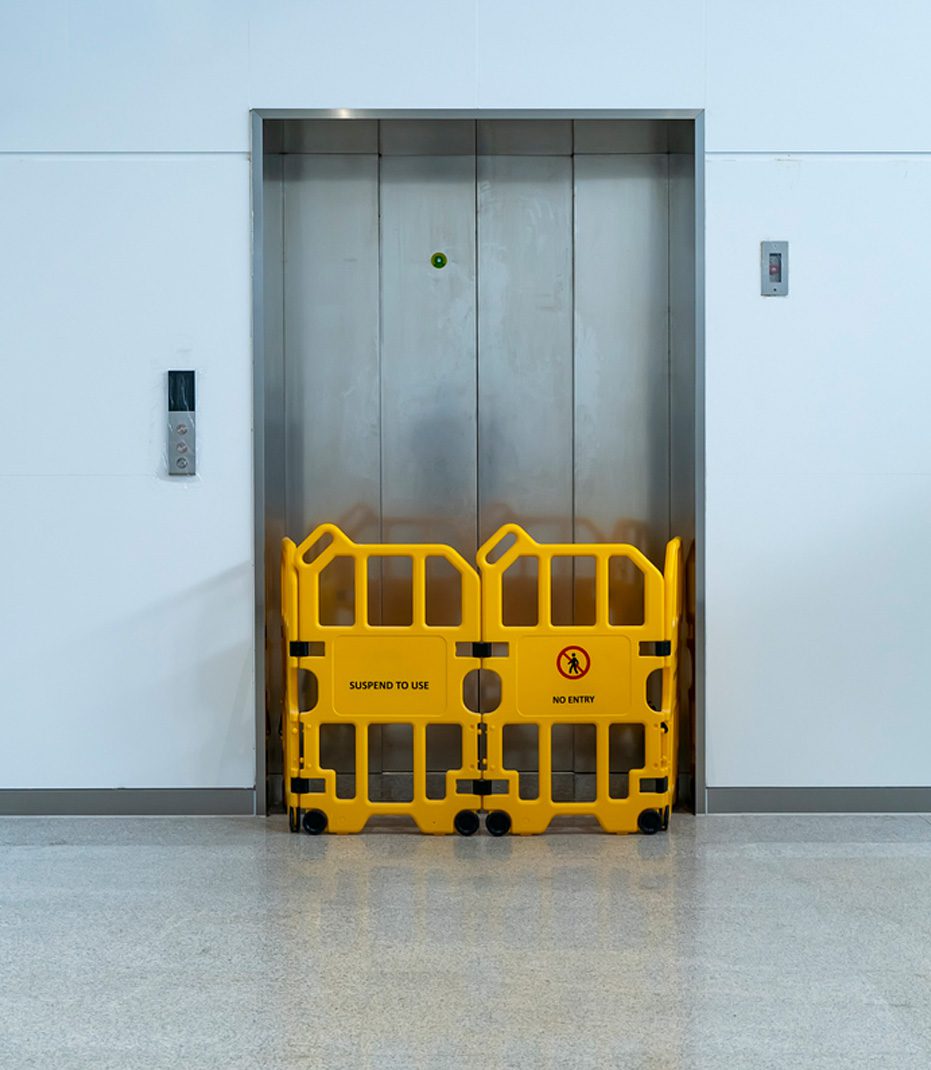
(590, 674)
(364, 675)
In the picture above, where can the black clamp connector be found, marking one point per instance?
(487, 787)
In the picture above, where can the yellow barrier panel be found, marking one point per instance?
(362, 677)
(571, 674)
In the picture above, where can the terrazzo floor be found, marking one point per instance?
(738, 942)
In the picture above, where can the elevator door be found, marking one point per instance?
(472, 338)
(527, 378)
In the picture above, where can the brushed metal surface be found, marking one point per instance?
(127, 802)
(325, 136)
(821, 800)
(428, 399)
(697, 574)
(182, 443)
(631, 136)
(682, 347)
(419, 137)
(683, 384)
(272, 462)
(332, 456)
(502, 114)
(525, 376)
(619, 135)
(524, 137)
(621, 349)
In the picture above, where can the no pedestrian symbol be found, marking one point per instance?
(573, 662)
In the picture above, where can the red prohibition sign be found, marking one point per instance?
(573, 662)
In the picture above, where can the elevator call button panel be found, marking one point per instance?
(774, 268)
(182, 443)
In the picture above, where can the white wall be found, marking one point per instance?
(125, 650)
(127, 640)
(818, 473)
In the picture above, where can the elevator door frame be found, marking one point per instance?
(262, 448)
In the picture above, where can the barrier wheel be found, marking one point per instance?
(498, 823)
(294, 819)
(315, 822)
(650, 822)
(466, 822)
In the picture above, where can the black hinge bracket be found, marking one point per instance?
(655, 785)
(488, 787)
(301, 785)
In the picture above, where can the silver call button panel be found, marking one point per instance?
(774, 268)
(182, 424)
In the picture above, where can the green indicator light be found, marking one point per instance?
(438, 260)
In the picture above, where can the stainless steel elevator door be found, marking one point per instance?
(428, 346)
(332, 359)
(526, 379)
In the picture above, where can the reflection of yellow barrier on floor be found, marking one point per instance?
(597, 673)
(348, 676)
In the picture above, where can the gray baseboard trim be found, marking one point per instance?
(819, 800)
(125, 802)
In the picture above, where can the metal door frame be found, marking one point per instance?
(257, 166)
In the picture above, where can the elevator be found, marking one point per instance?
(466, 322)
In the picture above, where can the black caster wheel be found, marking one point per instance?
(466, 822)
(314, 822)
(650, 822)
(498, 823)
(294, 819)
